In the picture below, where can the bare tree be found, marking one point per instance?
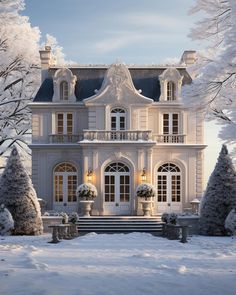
(213, 91)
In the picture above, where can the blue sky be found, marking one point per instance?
(102, 31)
(132, 31)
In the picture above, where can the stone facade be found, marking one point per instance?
(115, 126)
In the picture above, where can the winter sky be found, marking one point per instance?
(131, 31)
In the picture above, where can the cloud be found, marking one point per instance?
(118, 42)
(149, 19)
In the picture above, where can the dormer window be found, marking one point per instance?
(64, 86)
(171, 91)
(171, 82)
(64, 90)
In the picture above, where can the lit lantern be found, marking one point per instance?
(89, 174)
(143, 175)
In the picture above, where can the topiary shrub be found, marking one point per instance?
(230, 222)
(6, 221)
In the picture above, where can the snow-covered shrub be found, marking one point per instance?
(73, 217)
(219, 198)
(145, 190)
(6, 221)
(86, 191)
(230, 222)
(169, 218)
(18, 195)
(65, 218)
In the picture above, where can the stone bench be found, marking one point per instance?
(63, 231)
(173, 232)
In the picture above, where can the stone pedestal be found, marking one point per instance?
(86, 207)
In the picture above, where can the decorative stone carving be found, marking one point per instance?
(64, 74)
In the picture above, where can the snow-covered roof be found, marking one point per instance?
(89, 79)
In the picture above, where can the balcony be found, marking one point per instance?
(169, 138)
(125, 135)
(65, 138)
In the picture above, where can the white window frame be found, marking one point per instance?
(65, 123)
(64, 90)
(170, 123)
(170, 91)
(64, 190)
(118, 113)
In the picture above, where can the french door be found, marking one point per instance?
(117, 190)
(118, 124)
(169, 191)
(65, 184)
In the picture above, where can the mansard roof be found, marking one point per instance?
(89, 79)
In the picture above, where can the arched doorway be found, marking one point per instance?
(117, 200)
(169, 188)
(65, 184)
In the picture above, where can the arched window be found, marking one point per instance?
(65, 183)
(169, 184)
(171, 91)
(64, 90)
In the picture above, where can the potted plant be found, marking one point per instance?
(170, 229)
(73, 218)
(86, 192)
(146, 192)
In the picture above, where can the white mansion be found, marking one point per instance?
(116, 126)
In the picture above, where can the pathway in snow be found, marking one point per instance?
(131, 264)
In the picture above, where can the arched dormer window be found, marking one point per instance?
(171, 89)
(64, 90)
(64, 86)
(171, 82)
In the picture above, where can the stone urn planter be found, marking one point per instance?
(146, 192)
(147, 207)
(86, 207)
(86, 192)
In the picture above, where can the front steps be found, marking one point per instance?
(120, 224)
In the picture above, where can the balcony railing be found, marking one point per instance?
(65, 138)
(130, 135)
(126, 135)
(169, 138)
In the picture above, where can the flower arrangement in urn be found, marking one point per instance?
(145, 191)
(86, 191)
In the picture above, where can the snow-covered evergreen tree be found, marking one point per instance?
(6, 221)
(230, 222)
(19, 196)
(220, 196)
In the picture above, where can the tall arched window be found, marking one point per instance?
(168, 185)
(65, 184)
(171, 91)
(64, 90)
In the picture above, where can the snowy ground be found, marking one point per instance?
(121, 264)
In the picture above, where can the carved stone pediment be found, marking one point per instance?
(118, 87)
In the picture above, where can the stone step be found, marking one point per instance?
(121, 224)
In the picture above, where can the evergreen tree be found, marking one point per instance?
(220, 196)
(19, 196)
